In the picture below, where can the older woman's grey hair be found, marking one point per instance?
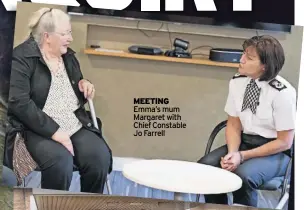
(46, 20)
(52, 31)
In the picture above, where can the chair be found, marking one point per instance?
(277, 183)
(93, 115)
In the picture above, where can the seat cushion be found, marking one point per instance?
(273, 184)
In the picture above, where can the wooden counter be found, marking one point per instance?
(198, 61)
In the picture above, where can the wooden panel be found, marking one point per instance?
(100, 202)
(22, 198)
(124, 187)
(91, 51)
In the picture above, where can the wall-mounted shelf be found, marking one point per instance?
(199, 61)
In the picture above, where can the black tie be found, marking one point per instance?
(251, 97)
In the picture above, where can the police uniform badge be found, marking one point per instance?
(277, 84)
(238, 75)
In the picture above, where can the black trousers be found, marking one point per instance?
(253, 172)
(92, 157)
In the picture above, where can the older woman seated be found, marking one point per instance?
(46, 105)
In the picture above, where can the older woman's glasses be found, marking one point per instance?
(64, 34)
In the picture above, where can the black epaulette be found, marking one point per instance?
(238, 76)
(276, 84)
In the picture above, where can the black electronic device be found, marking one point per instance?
(225, 55)
(174, 53)
(145, 50)
(95, 46)
(180, 49)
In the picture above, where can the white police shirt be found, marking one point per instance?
(276, 110)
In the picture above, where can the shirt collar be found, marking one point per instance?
(257, 81)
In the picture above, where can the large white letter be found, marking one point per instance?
(109, 4)
(175, 5)
(150, 5)
(242, 5)
(205, 5)
(10, 5)
(58, 2)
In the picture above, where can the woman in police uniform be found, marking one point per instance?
(261, 108)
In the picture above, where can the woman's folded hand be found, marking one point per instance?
(64, 139)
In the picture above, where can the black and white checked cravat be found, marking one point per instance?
(251, 97)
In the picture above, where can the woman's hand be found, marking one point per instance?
(87, 88)
(64, 139)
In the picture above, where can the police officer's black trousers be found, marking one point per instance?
(92, 157)
(253, 172)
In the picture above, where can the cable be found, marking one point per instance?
(169, 36)
(202, 46)
(142, 31)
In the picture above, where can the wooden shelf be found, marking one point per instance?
(198, 61)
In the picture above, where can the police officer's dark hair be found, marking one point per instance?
(270, 52)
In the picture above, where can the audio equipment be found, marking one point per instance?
(180, 49)
(177, 54)
(225, 55)
(145, 50)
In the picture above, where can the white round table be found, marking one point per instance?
(182, 176)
